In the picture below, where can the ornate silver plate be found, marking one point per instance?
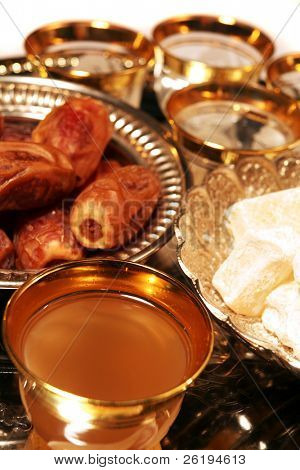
(204, 241)
(136, 135)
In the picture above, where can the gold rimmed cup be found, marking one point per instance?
(283, 75)
(200, 48)
(97, 53)
(96, 423)
(222, 122)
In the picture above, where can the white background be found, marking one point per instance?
(23, 16)
(35, 460)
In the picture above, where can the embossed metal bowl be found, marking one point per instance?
(204, 241)
(136, 136)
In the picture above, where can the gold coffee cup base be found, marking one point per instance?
(36, 442)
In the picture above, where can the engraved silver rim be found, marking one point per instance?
(134, 131)
(266, 351)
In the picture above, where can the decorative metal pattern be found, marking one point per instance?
(204, 240)
(17, 66)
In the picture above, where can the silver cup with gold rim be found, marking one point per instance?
(201, 48)
(97, 53)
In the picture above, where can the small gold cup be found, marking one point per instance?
(199, 48)
(283, 75)
(96, 53)
(217, 123)
(60, 417)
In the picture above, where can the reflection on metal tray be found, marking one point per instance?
(135, 135)
(239, 402)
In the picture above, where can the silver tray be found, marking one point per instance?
(136, 135)
(204, 241)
